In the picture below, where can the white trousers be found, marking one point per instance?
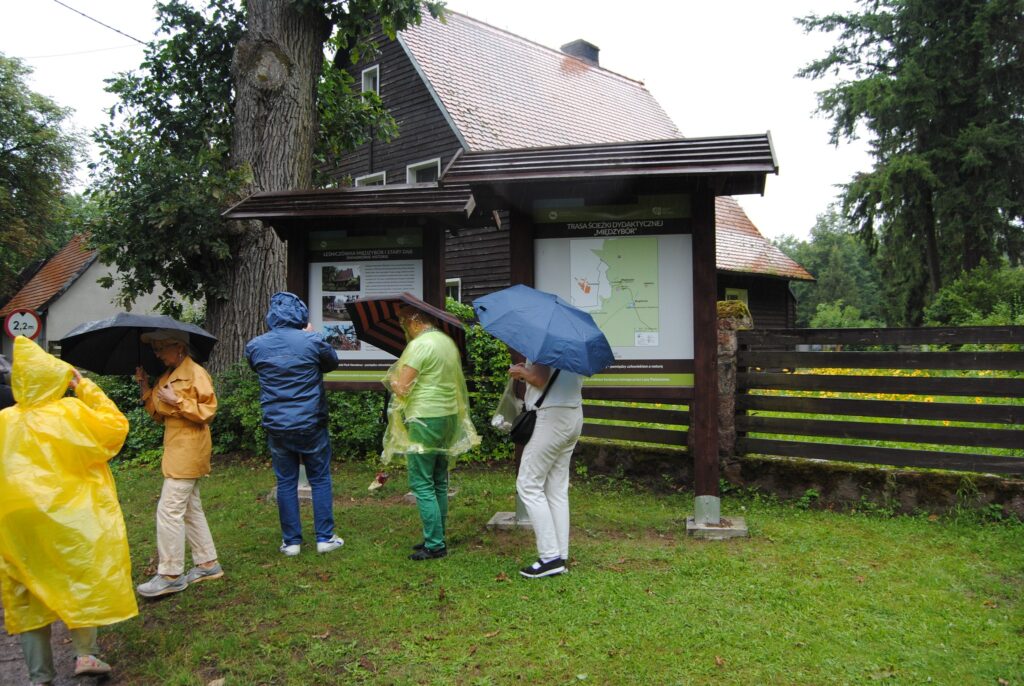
(543, 482)
(179, 515)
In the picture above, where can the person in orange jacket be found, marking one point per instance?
(183, 401)
(63, 545)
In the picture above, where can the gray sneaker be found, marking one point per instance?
(198, 573)
(160, 585)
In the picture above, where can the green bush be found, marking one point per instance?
(487, 374)
(991, 295)
(238, 426)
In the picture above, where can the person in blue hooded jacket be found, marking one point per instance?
(290, 361)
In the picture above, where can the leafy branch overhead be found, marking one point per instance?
(167, 168)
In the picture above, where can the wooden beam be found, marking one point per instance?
(704, 411)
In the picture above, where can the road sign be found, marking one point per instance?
(23, 323)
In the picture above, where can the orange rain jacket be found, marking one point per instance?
(63, 544)
(187, 442)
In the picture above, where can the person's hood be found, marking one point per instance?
(287, 311)
(37, 376)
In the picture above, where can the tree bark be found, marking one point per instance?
(275, 68)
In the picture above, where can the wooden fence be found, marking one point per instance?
(631, 421)
(968, 409)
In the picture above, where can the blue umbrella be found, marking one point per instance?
(545, 328)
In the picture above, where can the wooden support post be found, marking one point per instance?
(704, 412)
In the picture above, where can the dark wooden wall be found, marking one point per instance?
(423, 132)
(480, 257)
(770, 301)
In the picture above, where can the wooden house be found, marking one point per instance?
(464, 86)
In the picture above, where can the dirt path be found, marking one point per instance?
(12, 664)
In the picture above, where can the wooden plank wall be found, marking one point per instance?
(932, 387)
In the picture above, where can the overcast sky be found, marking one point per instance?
(718, 68)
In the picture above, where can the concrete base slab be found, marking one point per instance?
(727, 527)
(507, 521)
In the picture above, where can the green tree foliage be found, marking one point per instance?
(939, 88)
(838, 315)
(991, 295)
(841, 265)
(37, 162)
(167, 173)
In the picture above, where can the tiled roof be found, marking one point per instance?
(503, 91)
(740, 247)
(53, 278)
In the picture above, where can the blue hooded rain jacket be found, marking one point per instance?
(291, 363)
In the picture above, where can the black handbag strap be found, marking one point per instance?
(546, 389)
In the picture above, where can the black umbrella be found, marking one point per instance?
(113, 346)
(376, 321)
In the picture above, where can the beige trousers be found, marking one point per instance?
(180, 516)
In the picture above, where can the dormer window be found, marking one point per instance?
(423, 172)
(371, 79)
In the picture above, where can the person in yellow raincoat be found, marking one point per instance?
(63, 544)
(183, 401)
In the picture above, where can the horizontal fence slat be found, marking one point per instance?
(899, 457)
(679, 396)
(1011, 361)
(630, 433)
(915, 336)
(954, 386)
(637, 414)
(904, 433)
(895, 409)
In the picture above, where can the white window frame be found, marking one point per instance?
(737, 294)
(375, 79)
(370, 179)
(457, 282)
(410, 170)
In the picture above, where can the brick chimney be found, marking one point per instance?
(585, 51)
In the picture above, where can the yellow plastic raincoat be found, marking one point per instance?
(445, 373)
(63, 544)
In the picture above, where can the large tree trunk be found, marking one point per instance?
(276, 67)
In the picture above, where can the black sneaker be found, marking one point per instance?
(419, 546)
(428, 554)
(539, 569)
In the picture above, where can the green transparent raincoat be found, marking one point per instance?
(438, 390)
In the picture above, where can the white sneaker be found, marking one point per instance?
(290, 550)
(328, 546)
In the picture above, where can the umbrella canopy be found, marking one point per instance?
(376, 321)
(545, 328)
(113, 346)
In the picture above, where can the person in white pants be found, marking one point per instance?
(543, 481)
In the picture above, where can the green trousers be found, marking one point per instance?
(35, 645)
(428, 475)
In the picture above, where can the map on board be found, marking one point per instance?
(616, 281)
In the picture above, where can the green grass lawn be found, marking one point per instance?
(812, 597)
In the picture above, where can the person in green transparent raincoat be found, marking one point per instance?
(428, 422)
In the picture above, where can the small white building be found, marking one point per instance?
(64, 293)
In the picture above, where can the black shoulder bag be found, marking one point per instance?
(522, 425)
